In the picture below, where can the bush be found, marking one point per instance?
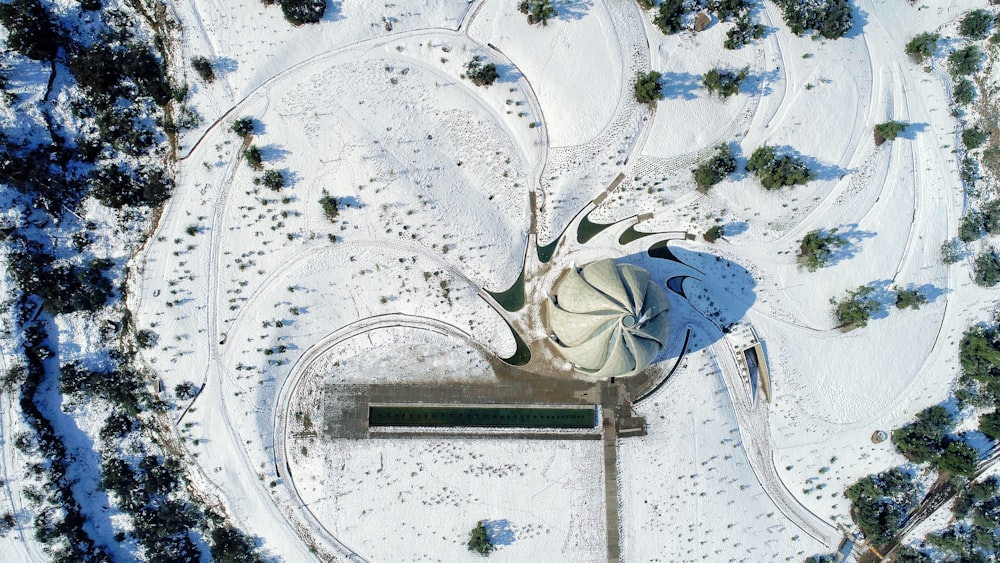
(991, 216)
(964, 92)
(481, 74)
(299, 12)
(254, 158)
(959, 459)
(965, 61)
(830, 18)
(976, 24)
(203, 67)
(857, 308)
(647, 87)
(777, 171)
(479, 541)
(30, 29)
(972, 226)
(922, 440)
(974, 137)
(538, 11)
(230, 545)
(273, 179)
(922, 46)
(880, 503)
(669, 18)
(723, 82)
(186, 390)
(910, 298)
(989, 424)
(888, 131)
(951, 251)
(987, 268)
(714, 233)
(329, 204)
(716, 168)
(816, 248)
(744, 31)
(243, 127)
(146, 338)
(979, 354)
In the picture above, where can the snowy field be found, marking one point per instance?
(436, 179)
(416, 499)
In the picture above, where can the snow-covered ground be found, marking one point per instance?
(417, 499)
(435, 178)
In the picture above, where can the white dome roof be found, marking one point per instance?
(609, 319)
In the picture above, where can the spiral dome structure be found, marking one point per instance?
(608, 319)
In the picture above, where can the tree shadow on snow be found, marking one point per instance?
(735, 228)
(499, 531)
(571, 9)
(885, 298)
(910, 133)
(760, 83)
(225, 65)
(271, 153)
(860, 20)
(332, 13)
(852, 237)
(679, 85)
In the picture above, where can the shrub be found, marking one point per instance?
(329, 204)
(816, 248)
(299, 12)
(716, 168)
(987, 268)
(30, 29)
(922, 46)
(972, 226)
(951, 251)
(964, 92)
(669, 18)
(273, 179)
(647, 87)
(888, 131)
(979, 354)
(254, 158)
(723, 82)
(243, 127)
(965, 61)
(776, 171)
(146, 338)
(744, 31)
(976, 24)
(203, 67)
(230, 545)
(958, 458)
(880, 503)
(830, 18)
(991, 216)
(910, 298)
(481, 74)
(714, 233)
(186, 390)
(538, 11)
(922, 440)
(479, 540)
(857, 308)
(989, 424)
(974, 137)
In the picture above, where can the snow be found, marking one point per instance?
(421, 497)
